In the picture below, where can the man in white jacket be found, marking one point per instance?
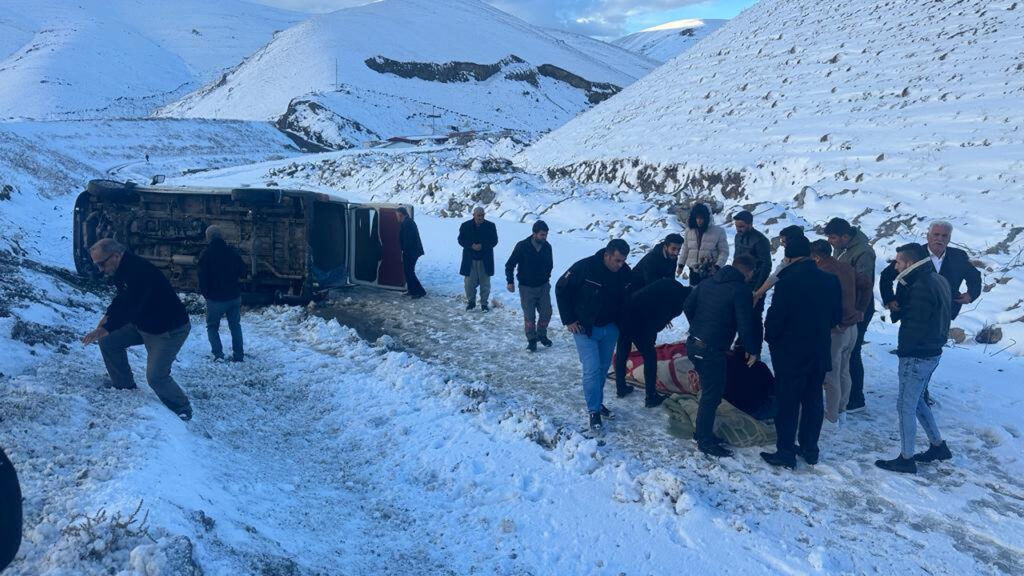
(706, 248)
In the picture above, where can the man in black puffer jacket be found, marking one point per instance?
(651, 309)
(220, 269)
(591, 299)
(717, 309)
(10, 512)
(924, 329)
(534, 258)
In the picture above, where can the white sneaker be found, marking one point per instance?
(842, 420)
(828, 427)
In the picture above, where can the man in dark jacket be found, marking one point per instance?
(806, 307)
(659, 263)
(952, 263)
(649, 311)
(591, 299)
(478, 237)
(924, 328)
(412, 249)
(852, 247)
(10, 512)
(534, 258)
(753, 242)
(145, 311)
(220, 268)
(717, 309)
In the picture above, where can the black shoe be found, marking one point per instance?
(712, 449)
(470, 305)
(623, 392)
(418, 296)
(719, 440)
(109, 384)
(238, 358)
(606, 412)
(186, 414)
(654, 401)
(811, 459)
(855, 406)
(595, 423)
(218, 357)
(933, 453)
(544, 340)
(532, 346)
(406, 293)
(898, 464)
(776, 459)
(484, 307)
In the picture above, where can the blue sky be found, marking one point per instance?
(599, 18)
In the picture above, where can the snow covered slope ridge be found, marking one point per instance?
(890, 114)
(110, 58)
(407, 67)
(665, 42)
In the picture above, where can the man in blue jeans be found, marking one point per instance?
(591, 298)
(924, 328)
(220, 269)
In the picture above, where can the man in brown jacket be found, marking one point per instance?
(844, 336)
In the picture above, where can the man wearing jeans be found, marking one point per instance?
(717, 309)
(478, 237)
(924, 328)
(591, 296)
(145, 311)
(220, 268)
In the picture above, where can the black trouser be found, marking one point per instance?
(10, 512)
(758, 324)
(411, 281)
(857, 364)
(646, 344)
(800, 400)
(710, 365)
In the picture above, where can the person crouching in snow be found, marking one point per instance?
(924, 328)
(591, 298)
(147, 311)
(534, 258)
(650, 310)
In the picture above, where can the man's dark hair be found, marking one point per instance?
(744, 216)
(401, 210)
(540, 226)
(744, 262)
(821, 248)
(838, 227)
(618, 245)
(798, 247)
(791, 231)
(674, 238)
(913, 252)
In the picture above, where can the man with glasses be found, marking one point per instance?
(147, 311)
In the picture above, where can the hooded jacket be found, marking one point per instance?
(861, 256)
(589, 292)
(709, 244)
(848, 287)
(924, 322)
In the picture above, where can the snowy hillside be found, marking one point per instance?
(890, 114)
(666, 41)
(409, 67)
(110, 58)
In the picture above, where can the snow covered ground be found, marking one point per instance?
(666, 41)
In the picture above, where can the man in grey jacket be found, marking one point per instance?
(852, 247)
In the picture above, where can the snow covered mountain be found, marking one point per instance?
(110, 58)
(408, 67)
(890, 114)
(666, 41)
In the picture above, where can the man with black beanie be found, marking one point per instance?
(806, 306)
(534, 258)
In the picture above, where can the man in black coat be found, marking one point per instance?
(924, 329)
(657, 264)
(220, 269)
(534, 258)
(806, 306)
(145, 311)
(412, 249)
(752, 242)
(478, 237)
(591, 299)
(649, 311)
(10, 512)
(952, 263)
(717, 309)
